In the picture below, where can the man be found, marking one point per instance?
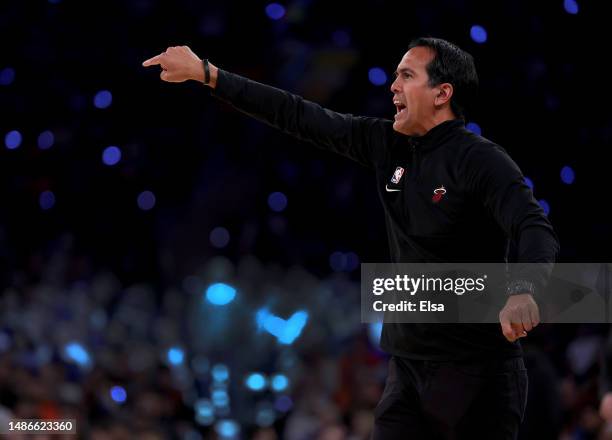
(449, 195)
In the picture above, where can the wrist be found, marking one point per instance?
(213, 75)
(519, 287)
(201, 76)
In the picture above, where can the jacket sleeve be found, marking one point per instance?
(359, 138)
(496, 179)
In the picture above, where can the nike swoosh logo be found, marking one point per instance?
(391, 189)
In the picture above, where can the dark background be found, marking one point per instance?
(543, 97)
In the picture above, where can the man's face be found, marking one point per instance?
(412, 96)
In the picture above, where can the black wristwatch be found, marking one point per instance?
(206, 71)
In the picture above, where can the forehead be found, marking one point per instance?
(416, 58)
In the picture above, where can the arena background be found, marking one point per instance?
(170, 268)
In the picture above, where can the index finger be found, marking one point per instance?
(153, 61)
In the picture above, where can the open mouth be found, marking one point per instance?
(399, 107)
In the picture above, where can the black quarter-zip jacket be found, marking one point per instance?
(448, 196)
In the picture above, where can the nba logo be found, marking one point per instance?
(397, 175)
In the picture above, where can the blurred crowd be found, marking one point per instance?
(123, 382)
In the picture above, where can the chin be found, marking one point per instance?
(400, 128)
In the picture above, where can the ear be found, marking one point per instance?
(444, 94)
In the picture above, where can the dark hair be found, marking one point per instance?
(451, 65)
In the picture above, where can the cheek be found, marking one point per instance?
(423, 99)
(415, 95)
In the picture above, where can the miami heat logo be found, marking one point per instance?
(438, 194)
(397, 175)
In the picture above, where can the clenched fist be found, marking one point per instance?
(520, 315)
(179, 64)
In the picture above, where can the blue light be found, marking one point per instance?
(274, 325)
(286, 331)
(337, 261)
(12, 139)
(103, 99)
(220, 373)
(374, 332)
(352, 261)
(220, 294)
(567, 175)
(111, 155)
(175, 355)
(279, 382)
(529, 182)
(262, 317)
(46, 200)
(265, 417)
(7, 76)
(220, 398)
(478, 34)
(118, 394)
(219, 237)
(45, 140)
(571, 6)
(204, 407)
(76, 353)
(255, 381)
(204, 420)
(227, 428)
(377, 76)
(277, 201)
(474, 128)
(204, 412)
(283, 403)
(275, 11)
(146, 200)
(293, 327)
(545, 206)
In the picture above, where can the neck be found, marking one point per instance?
(436, 119)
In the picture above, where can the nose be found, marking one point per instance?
(394, 87)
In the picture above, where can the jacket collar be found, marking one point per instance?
(437, 134)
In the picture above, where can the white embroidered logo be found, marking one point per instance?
(397, 175)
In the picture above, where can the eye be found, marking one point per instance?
(407, 75)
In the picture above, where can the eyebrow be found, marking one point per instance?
(405, 69)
